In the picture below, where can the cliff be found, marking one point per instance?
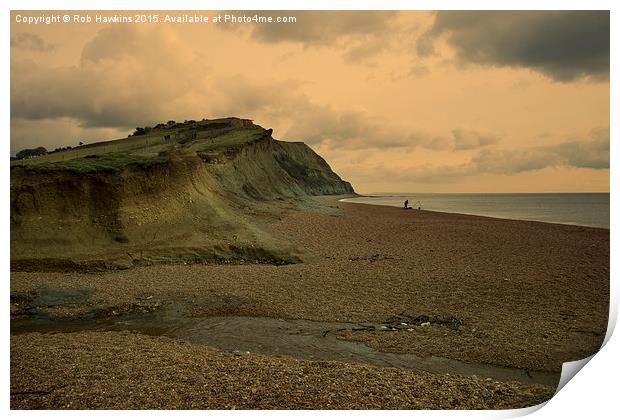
(190, 192)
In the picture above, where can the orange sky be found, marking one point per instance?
(394, 101)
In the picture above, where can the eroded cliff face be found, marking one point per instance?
(267, 169)
(189, 206)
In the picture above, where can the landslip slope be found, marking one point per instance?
(190, 192)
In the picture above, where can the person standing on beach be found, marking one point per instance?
(406, 203)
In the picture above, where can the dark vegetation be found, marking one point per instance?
(30, 153)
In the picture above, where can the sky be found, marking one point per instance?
(410, 101)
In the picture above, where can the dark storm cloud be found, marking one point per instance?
(564, 45)
(31, 42)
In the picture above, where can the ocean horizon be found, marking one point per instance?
(582, 209)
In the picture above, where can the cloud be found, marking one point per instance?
(318, 124)
(592, 153)
(468, 140)
(125, 76)
(128, 76)
(33, 42)
(355, 130)
(563, 45)
(304, 119)
(324, 27)
(459, 139)
(122, 80)
(361, 35)
(510, 162)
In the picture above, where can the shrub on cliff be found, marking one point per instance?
(29, 153)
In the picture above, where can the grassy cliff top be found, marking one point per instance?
(144, 150)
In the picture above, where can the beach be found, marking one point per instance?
(477, 290)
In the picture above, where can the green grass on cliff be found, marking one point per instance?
(142, 151)
(227, 140)
(111, 162)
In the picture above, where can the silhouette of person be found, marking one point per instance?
(406, 203)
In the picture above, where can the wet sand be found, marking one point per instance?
(526, 295)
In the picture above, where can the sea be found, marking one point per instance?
(584, 209)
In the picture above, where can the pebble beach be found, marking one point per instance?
(523, 295)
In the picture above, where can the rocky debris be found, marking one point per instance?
(405, 322)
(371, 258)
(401, 321)
(120, 310)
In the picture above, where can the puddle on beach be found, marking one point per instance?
(301, 339)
